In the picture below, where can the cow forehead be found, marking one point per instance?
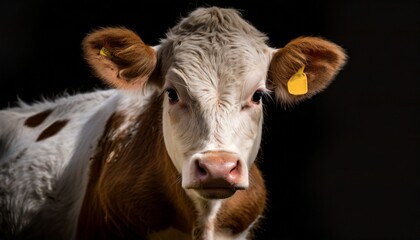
(216, 49)
(236, 58)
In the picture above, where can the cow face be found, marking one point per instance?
(214, 68)
(212, 113)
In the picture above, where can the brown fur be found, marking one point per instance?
(52, 130)
(36, 119)
(322, 60)
(131, 61)
(241, 210)
(139, 191)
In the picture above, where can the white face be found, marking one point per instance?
(212, 120)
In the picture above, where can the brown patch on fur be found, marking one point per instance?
(92, 214)
(132, 61)
(138, 194)
(53, 129)
(244, 207)
(37, 119)
(322, 60)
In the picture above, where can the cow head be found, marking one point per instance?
(215, 69)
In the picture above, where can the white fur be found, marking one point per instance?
(29, 169)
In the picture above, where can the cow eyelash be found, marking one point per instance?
(172, 95)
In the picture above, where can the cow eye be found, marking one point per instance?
(172, 95)
(256, 98)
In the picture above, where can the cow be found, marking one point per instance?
(169, 150)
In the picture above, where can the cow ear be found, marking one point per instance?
(303, 68)
(119, 57)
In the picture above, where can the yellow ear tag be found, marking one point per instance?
(105, 52)
(298, 83)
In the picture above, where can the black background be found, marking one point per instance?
(343, 165)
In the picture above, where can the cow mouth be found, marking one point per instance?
(218, 189)
(216, 193)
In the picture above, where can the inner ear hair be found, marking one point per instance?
(321, 59)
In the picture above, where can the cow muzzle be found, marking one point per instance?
(217, 175)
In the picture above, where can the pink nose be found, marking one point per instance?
(218, 170)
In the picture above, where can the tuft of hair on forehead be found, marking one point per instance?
(214, 19)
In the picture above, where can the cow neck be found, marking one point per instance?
(134, 189)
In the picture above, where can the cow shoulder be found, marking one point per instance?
(36, 143)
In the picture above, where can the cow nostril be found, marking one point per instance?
(235, 171)
(200, 170)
